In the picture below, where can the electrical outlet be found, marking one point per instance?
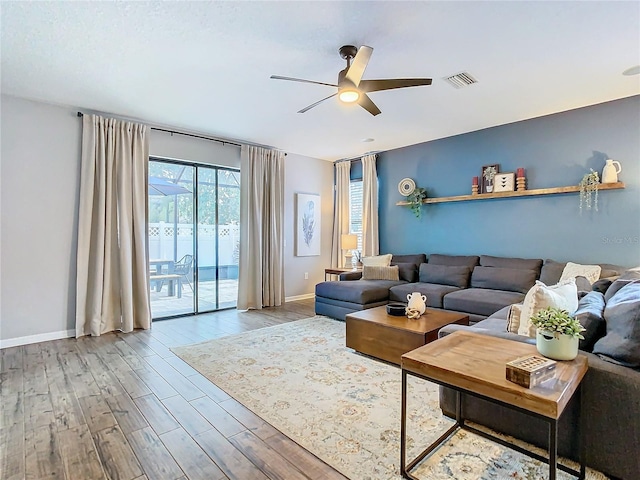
(306, 275)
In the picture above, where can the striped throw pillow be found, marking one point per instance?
(380, 273)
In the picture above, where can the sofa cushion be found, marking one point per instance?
(377, 261)
(563, 295)
(603, 285)
(508, 262)
(445, 275)
(434, 292)
(627, 277)
(416, 258)
(357, 291)
(380, 273)
(454, 260)
(407, 271)
(590, 272)
(590, 314)
(621, 343)
(480, 301)
(509, 279)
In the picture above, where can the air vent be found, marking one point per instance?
(462, 79)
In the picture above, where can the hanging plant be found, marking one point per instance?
(589, 190)
(415, 200)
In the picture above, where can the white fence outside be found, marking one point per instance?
(161, 243)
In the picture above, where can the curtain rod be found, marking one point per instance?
(358, 157)
(212, 139)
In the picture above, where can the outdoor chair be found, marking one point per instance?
(183, 267)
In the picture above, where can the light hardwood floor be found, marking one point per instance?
(123, 406)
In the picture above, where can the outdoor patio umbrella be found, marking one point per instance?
(164, 186)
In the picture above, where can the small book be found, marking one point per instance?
(530, 371)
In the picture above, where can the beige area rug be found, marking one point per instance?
(345, 408)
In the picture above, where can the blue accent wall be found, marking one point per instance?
(555, 150)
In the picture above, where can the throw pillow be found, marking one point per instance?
(380, 273)
(513, 318)
(377, 261)
(563, 295)
(445, 275)
(590, 272)
(626, 278)
(590, 314)
(621, 344)
(407, 271)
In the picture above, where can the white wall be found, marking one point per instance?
(41, 148)
(306, 175)
(40, 166)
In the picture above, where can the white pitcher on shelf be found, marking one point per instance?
(610, 171)
(417, 301)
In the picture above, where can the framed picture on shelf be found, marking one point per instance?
(487, 178)
(504, 182)
(307, 224)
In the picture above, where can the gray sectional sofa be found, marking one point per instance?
(475, 285)
(611, 387)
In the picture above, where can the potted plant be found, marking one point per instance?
(589, 190)
(557, 334)
(415, 200)
(489, 174)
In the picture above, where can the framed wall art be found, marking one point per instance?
(487, 177)
(307, 224)
(504, 182)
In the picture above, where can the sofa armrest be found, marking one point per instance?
(449, 329)
(350, 276)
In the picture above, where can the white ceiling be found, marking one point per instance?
(205, 66)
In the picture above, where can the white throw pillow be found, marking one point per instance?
(563, 295)
(513, 319)
(377, 261)
(590, 272)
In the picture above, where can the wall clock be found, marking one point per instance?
(406, 186)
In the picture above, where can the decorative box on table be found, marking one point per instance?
(530, 371)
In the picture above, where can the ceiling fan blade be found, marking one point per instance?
(391, 83)
(278, 77)
(360, 62)
(365, 102)
(318, 102)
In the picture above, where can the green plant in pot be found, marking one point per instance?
(415, 199)
(558, 333)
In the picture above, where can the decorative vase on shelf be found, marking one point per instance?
(558, 346)
(610, 171)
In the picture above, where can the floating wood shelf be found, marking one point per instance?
(521, 193)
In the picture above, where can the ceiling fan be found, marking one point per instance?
(351, 87)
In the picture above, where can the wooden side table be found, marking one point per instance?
(474, 364)
(338, 271)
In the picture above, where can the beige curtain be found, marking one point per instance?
(340, 212)
(112, 283)
(261, 271)
(370, 238)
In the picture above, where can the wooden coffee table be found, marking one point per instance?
(374, 332)
(474, 364)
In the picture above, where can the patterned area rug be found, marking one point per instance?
(345, 408)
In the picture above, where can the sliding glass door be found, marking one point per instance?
(194, 213)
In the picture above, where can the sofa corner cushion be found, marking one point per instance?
(480, 301)
(563, 295)
(590, 314)
(407, 271)
(621, 343)
(454, 260)
(380, 273)
(511, 262)
(509, 279)
(434, 293)
(456, 276)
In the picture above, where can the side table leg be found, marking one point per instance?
(403, 427)
(553, 449)
(582, 437)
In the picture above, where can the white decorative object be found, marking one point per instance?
(563, 295)
(417, 301)
(504, 182)
(590, 272)
(610, 171)
(307, 224)
(558, 346)
(406, 186)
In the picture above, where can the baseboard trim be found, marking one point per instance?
(41, 337)
(295, 298)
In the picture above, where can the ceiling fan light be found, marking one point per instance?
(349, 96)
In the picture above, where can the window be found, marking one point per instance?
(355, 210)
